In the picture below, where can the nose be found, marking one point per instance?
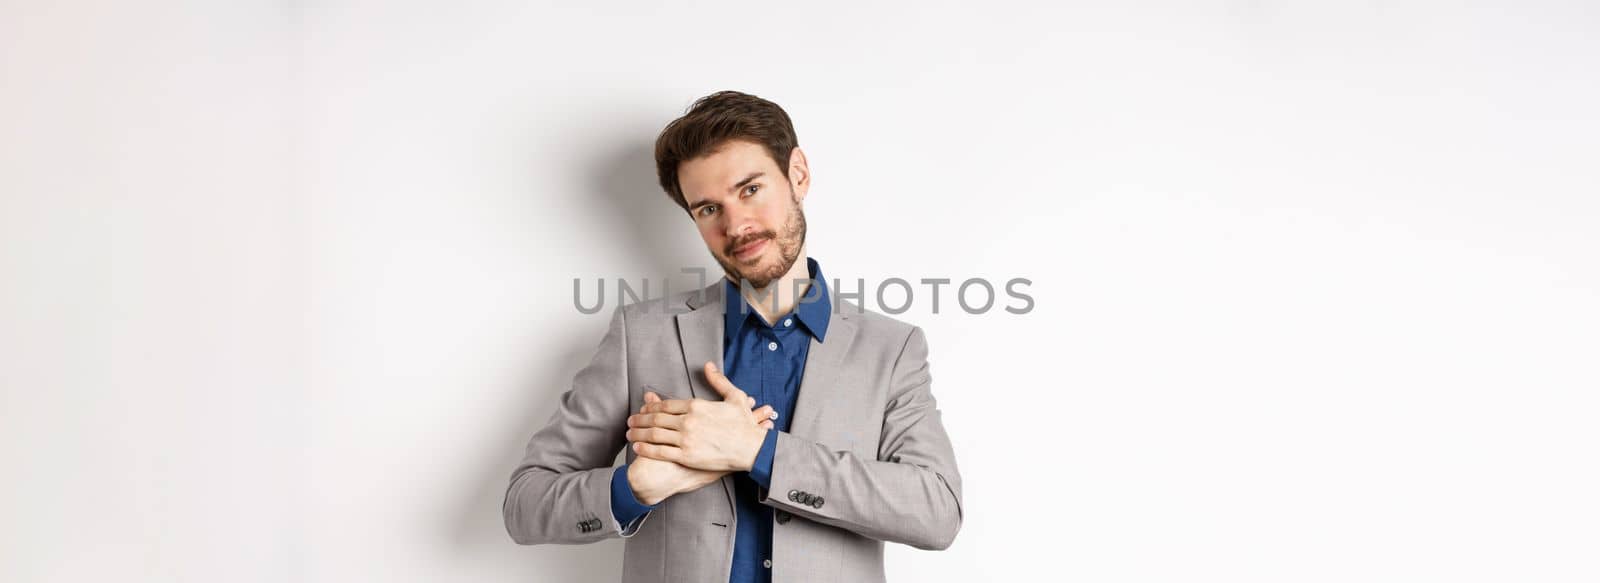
(739, 223)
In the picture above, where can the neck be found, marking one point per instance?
(781, 295)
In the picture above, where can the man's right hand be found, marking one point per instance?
(655, 480)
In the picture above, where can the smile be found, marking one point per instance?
(750, 249)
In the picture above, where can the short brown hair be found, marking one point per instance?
(715, 119)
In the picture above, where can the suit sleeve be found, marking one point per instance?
(561, 491)
(910, 494)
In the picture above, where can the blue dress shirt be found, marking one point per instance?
(765, 361)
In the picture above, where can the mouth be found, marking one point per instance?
(750, 249)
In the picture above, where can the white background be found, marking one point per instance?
(287, 285)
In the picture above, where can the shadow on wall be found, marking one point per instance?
(657, 236)
(650, 237)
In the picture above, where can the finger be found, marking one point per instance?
(661, 452)
(675, 406)
(655, 435)
(722, 385)
(663, 420)
(765, 413)
(649, 397)
(766, 425)
(749, 401)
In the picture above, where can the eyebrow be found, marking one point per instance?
(736, 186)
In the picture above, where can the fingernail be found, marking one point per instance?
(774, 415)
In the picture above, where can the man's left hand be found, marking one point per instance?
(707, 435)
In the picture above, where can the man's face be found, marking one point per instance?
(748, 214)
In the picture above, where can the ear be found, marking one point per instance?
(799, 173)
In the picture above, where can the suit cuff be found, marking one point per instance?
(761, 471)
(625, 507)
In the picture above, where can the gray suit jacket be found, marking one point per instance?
(866, 459)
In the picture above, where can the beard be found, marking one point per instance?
(788, 240)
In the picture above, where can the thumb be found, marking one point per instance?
(722, 385)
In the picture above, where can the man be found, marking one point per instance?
(846, 449)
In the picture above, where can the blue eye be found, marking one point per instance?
(752, 188)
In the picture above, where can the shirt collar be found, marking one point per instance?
(813, 310)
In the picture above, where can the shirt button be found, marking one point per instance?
(787, 321)
(772, 346)
(767, 563)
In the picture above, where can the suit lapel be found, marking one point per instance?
(700, 331)
(817, 387)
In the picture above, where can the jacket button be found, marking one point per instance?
(782, 517)
(583, 526)
(794, 495)
(816, 502)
